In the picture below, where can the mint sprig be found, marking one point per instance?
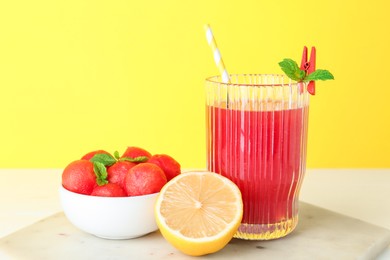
(101, 161)
(100, 172)
(116, 155)
(292, 70)
(138, 159)
(105, 159)
(290, 67)
(319, 75)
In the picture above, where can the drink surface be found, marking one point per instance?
(263, 152)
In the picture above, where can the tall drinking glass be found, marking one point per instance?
(256, 136)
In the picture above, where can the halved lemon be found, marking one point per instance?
(199, 212)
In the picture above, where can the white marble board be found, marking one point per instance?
(321, 234)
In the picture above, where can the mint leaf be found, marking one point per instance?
(105, 159)
(292, 70)
(116, 155)
(139, 159)
(100, 172)
(319, 75)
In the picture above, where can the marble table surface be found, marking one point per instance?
(30, 195)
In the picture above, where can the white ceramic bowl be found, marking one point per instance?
(110, 217)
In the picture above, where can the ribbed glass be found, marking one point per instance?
(256, 136)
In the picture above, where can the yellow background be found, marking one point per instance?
(80, 75)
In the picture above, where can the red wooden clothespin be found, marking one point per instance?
(309, 67)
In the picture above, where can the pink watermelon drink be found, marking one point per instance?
(257, 139)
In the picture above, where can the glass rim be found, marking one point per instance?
(217, 79)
